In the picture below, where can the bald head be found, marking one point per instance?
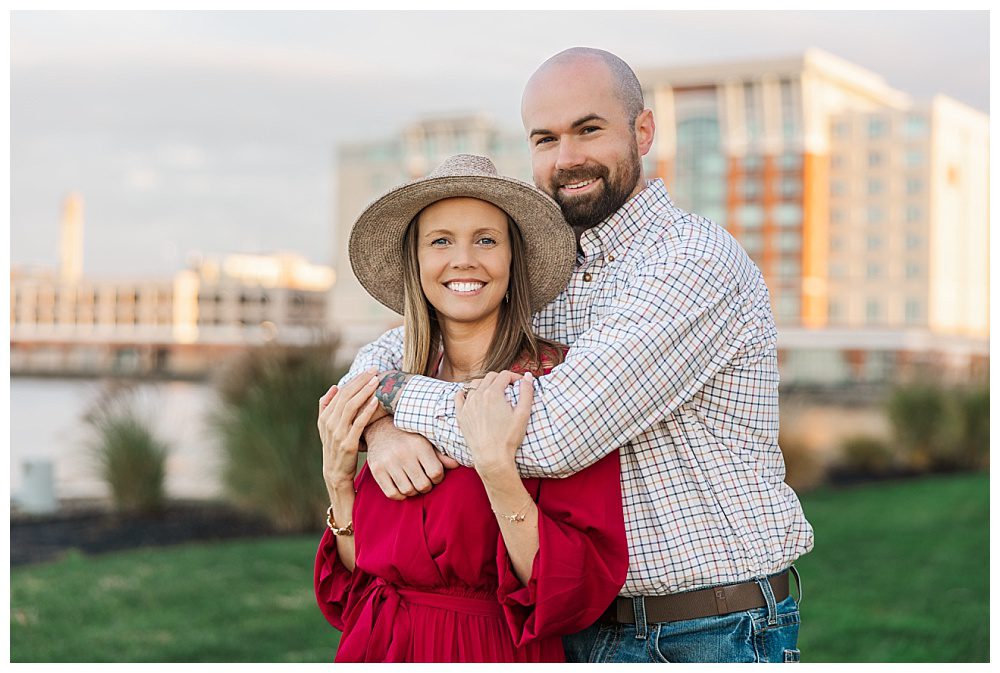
(624, 82)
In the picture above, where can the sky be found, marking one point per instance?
(217, 131)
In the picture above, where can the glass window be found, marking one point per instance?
(751, 109)
(751, 216)
(916, 126)
(712, 163)
(752, 188)
(753, 162)
(837, 216)
(877, 127)
(791, 187)
(789, 267)
(914, 186)
(837, 161)
(836, 243)
(838, 188)
(912, 270)
(875, 187)
(914, 158)
(834, 311)
(875, 215)
(841, 129)
(914, 214)
(788, 214)
(874, 270)
(788, 306)
(837, 270)
(874, 242)
(912, 241)
(752, 241)
(873, 311)
(789, 241)
(791, 161)
(913, 311)
(874, 159)
(716, 214)
(789, 108)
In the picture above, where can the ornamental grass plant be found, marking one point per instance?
(129, 456)
(266, 425)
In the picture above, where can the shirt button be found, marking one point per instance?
(587, 277)
(611, 258)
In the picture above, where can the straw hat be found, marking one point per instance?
(376, 245)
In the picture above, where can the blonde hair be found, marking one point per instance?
(513, 337)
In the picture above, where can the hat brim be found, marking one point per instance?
(376, 243)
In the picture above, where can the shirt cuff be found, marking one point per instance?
(425, 405)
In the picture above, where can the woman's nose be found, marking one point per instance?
(464, 257)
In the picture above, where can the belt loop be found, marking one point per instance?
(798, 583)
(639, 609)
(772, 607)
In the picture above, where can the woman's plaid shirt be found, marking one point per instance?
(673, 358)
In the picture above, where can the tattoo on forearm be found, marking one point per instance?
(389, 388)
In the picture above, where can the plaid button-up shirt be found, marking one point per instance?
(673, 359)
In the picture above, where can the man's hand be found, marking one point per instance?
(403, 463)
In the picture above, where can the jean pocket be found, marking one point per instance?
(792, 656)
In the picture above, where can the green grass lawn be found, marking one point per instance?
(900, 572)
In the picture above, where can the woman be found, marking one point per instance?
(486, 566)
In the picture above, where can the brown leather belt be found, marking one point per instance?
(701, 603)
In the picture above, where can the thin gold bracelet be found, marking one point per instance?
(518, 516)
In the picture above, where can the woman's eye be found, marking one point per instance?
(486, 240)
(439, 241)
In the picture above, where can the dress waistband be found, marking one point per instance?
(483, 607)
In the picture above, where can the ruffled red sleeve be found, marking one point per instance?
(337, 588)
(582, 556)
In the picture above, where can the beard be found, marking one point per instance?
(586, 212)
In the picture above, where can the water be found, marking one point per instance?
(46, 422)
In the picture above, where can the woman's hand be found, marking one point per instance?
(343, 415)
(492, 428)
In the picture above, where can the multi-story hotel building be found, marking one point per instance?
(867, 215)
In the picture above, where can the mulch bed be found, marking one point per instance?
(93, 529)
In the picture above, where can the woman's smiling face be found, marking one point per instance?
(464, 253)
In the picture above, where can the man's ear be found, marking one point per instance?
(645, 127)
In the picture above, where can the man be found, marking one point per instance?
(672, 358)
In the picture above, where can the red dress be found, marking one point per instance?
(433, 581)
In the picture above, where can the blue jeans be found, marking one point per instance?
(765, 634)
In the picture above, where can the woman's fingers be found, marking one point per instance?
(366, 380)
(327, 396)
(361, 422)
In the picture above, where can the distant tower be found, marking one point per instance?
(71, 239)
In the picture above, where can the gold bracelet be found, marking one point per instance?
(346, 531)
(518, 516)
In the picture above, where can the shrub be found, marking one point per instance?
(863, 454)
(972, 408)
(130, 458)
(272, 454)
(919, 417)
(942, 429)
